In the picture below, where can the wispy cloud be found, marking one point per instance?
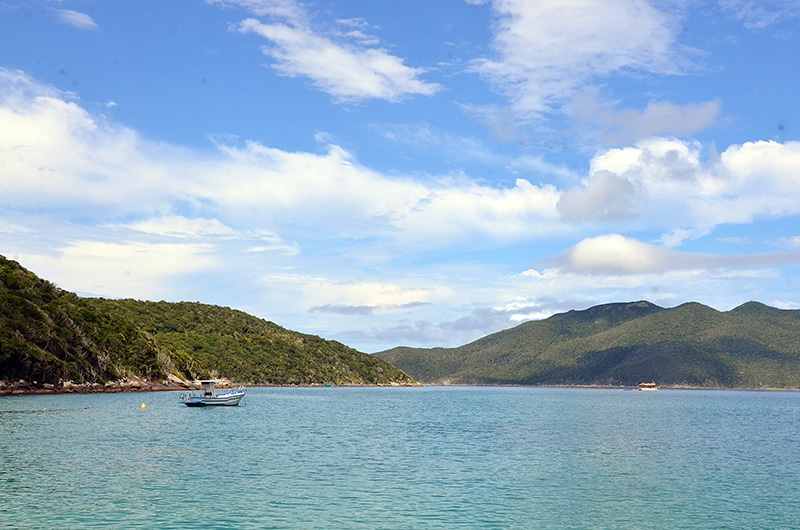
(760, 14)
(347, 65)
(546, 51)
(427, 139)
(76, 19)
(558, 62)
(602, 121)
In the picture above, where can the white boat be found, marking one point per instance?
(648, 386)
(210, 397)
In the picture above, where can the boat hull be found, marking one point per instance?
(224, 400)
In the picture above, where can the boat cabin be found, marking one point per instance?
(208, 387)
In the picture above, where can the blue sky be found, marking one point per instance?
(404, 173)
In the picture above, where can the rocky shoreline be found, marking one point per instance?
(9, 388)
(68, 387)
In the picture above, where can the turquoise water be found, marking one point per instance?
(431, 457)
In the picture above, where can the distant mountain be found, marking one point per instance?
(49, 335)
(752, 346)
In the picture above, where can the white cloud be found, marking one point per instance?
(605, 197)
(76, 19)
(121, 270)
(297, 189)
(549, 49)
(178, 227)
(378, 296)
(672, 188)
(347, 66)
(182, 227)
(55, 154)
(619, 255)
(287, 9)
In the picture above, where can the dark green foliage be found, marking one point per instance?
(49, 335)
(752, 346)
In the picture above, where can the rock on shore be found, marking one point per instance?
(133, 384)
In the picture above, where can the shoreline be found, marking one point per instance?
(22, 388)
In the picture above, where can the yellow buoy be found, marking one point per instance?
(144, 406)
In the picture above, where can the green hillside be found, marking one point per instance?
(205, 340)
(752, 346)
(49, 335)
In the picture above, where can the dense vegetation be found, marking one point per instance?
(49, 335)
(212, 341)
(752, 346)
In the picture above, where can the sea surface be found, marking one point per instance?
(427, 457)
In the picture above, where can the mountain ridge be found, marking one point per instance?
(622, 344)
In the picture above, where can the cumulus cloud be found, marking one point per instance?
(547, 50)
(665, 183)
(76, 19)
(620, 255)
(347, 65)
(605, 197)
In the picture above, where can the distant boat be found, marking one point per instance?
(648, 386)
(210, 397)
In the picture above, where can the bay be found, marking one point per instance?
(425, 457)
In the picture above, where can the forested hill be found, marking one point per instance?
(752, 346)
(210, 340)
(49, 335)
